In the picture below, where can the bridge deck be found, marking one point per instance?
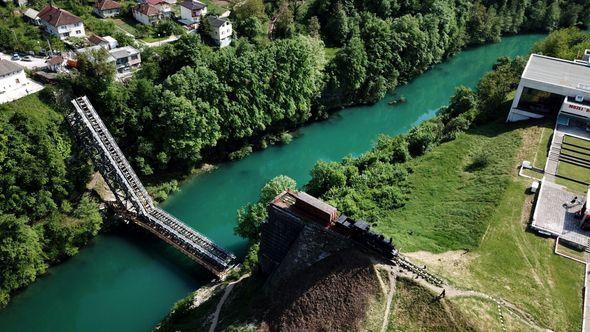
(137, 201)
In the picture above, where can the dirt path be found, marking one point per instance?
(389, 299)
(452, 292)
(228, 290)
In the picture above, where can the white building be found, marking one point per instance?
(192, 11)
(125, 58)
(221, 30)
(61, 23)
(551, 86)
(12, 76)
(147, 14)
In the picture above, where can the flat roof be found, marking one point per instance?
(557, 71)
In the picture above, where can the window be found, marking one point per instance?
(78, 32)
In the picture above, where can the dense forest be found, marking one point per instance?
(295, 62)
(189, 103)
(44, 214)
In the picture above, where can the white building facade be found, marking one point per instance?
(12, 76)
(221, 30)
(192, 11)
(61, 23)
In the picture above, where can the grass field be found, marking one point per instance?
(32, 107)
(507, 261)
(452, 203)
(540, 157)
(413, 309)
(577, 141)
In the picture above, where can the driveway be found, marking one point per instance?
(36, 63)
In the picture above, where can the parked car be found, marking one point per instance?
(27, 58)
(15, 57)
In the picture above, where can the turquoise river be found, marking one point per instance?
(128, 281)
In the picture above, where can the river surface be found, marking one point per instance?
(128, 281)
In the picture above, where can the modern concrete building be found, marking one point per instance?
(551, 86)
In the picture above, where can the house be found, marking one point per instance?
(61, 23)
(32, 16)
(221, 30)
(192, 11)
(162, 5)
(96, 40)
(125, 58)
(12, 76)
(106, 8)
(106, 42)
(147, 14)
(56, 63)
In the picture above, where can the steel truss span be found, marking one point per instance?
(132, 198)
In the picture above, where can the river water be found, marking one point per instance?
(128, 281)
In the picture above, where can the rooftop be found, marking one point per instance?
(147, 9)
(57, 17)
(107, 5)
(9, 67)
(31, 13)
(193, 5)
(559, 72)
(123, 52)
(216, 22)
(306, 206)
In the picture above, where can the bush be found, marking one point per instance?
(325, 176)
(423, 137)
(241, 153)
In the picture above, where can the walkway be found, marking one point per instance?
(134, 203)
(553, 157)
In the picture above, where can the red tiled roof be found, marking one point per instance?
(58, 17)
(96, 40)
(107, 5)
(147, 9)
(56, 60)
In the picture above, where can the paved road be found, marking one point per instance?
(36, 63)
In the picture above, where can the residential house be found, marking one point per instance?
(56, 63)
(106, 42)
(12, 76)
(106, 8)
(32, 16)
(125, 58)
(147, 14)
(221, 30)
(192, 11)
(162, 5)
(61, 23)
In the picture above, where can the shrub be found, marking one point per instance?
(423, 137)
(241, 153)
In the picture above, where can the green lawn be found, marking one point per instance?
(32, 107)
(451, 204)
(577, 141)
(574, 172)
(542, 150)
(127, 26)
(451, 208)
